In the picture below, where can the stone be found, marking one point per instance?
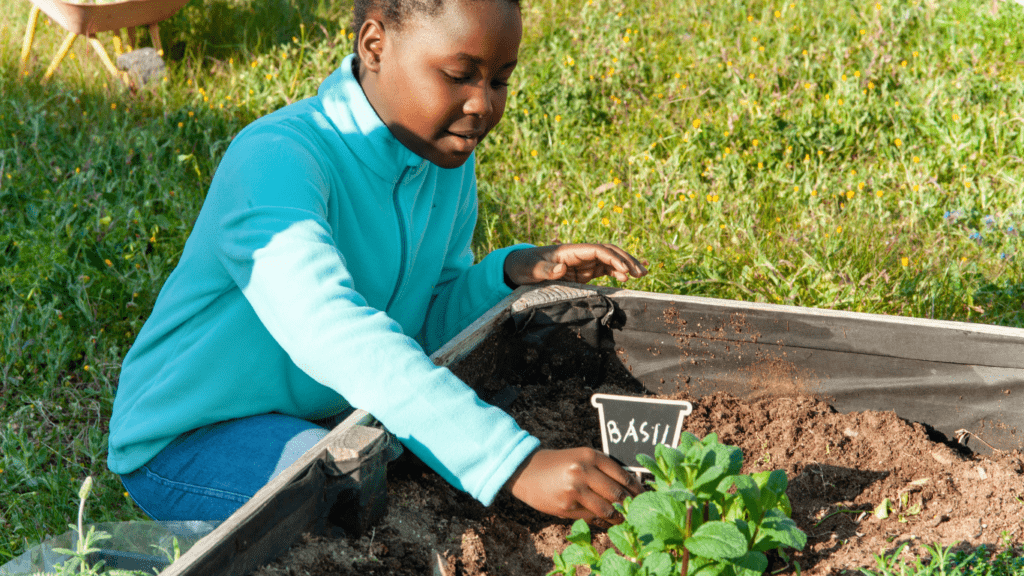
(142, 65)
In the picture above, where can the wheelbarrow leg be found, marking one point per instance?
(118, 45)
(59, 56)
(154, 34)
(30, 35)
(132, 44)
(105, 58)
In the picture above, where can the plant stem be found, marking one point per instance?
(81, 532)
(686, 553)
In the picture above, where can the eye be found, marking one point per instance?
(499, 83)
(457, 77)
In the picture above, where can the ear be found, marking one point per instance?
(371, 44)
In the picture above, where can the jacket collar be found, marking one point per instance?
(363, 131)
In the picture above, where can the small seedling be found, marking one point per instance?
(86, 544)
(883, 510)
(702, 517)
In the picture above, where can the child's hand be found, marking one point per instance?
(575, 483)
(573, 262)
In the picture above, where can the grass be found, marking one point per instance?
(853, 156)
(947, 561)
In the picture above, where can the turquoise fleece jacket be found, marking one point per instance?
(326, 261)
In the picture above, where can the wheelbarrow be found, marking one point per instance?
(88, 20)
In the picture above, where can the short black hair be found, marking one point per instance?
(396, 12)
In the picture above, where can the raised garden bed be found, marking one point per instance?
(855, 408)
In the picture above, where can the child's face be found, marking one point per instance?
(440, 83)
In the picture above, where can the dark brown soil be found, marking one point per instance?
(840, 467)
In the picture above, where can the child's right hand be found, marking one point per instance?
(574, 483)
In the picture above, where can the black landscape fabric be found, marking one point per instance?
(964, 381)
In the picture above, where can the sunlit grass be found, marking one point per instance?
(856, 156)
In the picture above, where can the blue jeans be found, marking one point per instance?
(208, 473)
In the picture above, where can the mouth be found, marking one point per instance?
(467, 140)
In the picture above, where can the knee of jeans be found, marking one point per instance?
(296, 447)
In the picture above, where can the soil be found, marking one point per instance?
(840, 468)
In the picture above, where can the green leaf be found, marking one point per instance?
(659, 515)
(671, 462)
(707, 567)
(731, 457)
(717, 540)
(652, 466)
(659, 564)
(709, 477)
(784, 505)
(777, 482)
(580, 533)
(624, 539)
(562, 568)
(611, 564)
(577, 555)
(773, 487)
(750, 564)
(777, 530)
(680, 493)
(710, 439)
(748, 493)
(686, 441)
(745, 528)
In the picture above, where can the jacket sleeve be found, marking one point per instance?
(465, 291)
(276, 244)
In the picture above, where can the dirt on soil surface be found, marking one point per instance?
(840, 468)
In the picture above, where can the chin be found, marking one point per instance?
(449, 161)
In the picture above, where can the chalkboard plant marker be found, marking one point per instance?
(633, 425)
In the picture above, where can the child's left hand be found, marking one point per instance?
(572, 262)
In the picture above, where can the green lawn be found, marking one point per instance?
(853, 156)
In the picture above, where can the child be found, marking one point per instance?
(332, 252)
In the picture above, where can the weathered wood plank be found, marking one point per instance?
(253, 536)
(463, 343)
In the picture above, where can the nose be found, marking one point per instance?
(480, 101)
